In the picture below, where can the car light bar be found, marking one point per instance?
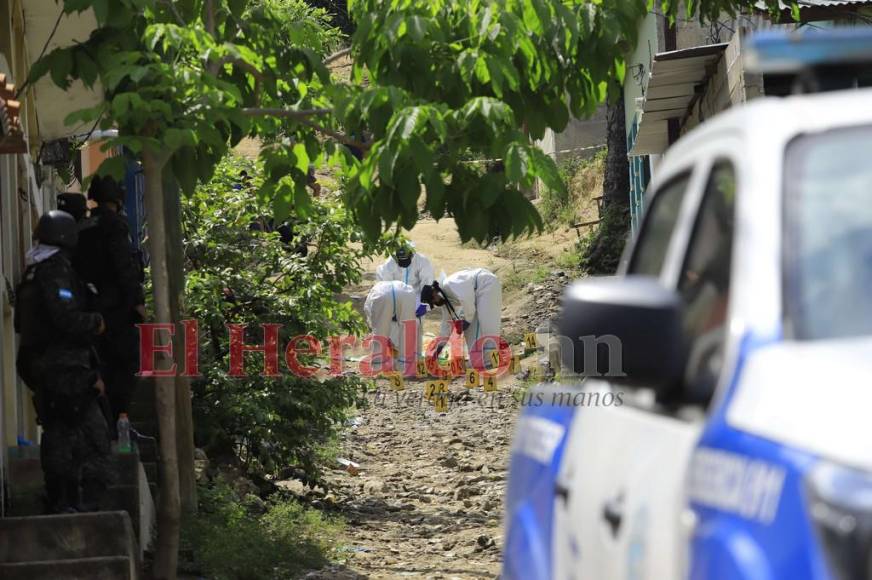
(791, 52)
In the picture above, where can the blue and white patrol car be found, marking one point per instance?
(742, 444)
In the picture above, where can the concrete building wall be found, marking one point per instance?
(639, 65)
(581, 138)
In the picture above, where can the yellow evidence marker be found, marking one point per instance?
(433, 388)
(515, 364)
(396, 380)
(430, 390)
(422, 368)
(490, 384)
(471, 379)
(495, 359)
(530, 340)
(441, 403)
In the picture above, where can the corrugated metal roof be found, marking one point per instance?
(806, 4)
(673, 84)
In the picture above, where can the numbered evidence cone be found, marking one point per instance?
(515, 364)
(434, 388)
(490, 384)
(441, 403)
(471, 379)
(530, 342)
(421, 368)
(495, 359)
(458, 366)
(396, 380)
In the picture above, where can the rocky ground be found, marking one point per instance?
(426, 499)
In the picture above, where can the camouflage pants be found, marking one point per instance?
(75, 447)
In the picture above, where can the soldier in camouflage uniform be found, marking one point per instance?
(106, 258)
(57, 361)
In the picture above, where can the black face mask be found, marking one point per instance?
(404, 262)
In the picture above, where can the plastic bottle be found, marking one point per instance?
(124, 445)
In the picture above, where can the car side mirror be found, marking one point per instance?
(626, 329)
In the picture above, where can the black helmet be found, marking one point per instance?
(58, 228)
(105, 188)
(404, 254)
(74, 204)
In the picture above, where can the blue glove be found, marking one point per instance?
(421, 310)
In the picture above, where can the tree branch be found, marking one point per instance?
(341, 137)
(285, 113)
(303, 116)
(169, 4)
(337, 55)
(210, 17)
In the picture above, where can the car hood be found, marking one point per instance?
(815, 396)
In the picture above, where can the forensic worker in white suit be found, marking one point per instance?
(388, 305)
(412, 268)
(471, 303)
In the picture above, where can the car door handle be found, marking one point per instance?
(613, 513)
(561, 491)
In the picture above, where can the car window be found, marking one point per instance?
(828, 228)
(650, 251)
(705, 281)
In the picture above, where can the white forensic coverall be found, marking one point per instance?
(477, 297)
(418, 274)
(387, 305)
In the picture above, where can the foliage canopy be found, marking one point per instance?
(435, 83)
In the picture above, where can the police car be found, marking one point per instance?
(742, 447)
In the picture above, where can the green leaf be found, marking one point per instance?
(40, 68)
(516, 163)
(61, 67)
(113, 166)
(302, 157)
(435, 194)
(120, 104)
(184, 169)
(71, 6)
(101, 10)
(492, 187)
(86, 68)
(177, 138)
(83, 116)
(546, 170)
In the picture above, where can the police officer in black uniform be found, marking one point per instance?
(74, 204)
(106, 258)
(57, 361)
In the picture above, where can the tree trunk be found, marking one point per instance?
(184, 414)
(616, 183)
(604, 253)
(169, 509)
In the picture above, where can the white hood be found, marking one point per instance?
(816, 396)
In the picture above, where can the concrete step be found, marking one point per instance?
(66, 537)
(103, 568)
(25, 481)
